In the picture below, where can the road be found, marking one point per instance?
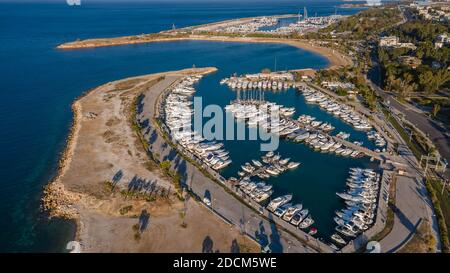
(434, 132)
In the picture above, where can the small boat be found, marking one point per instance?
(306, 223)
(263, 175)
(333, 246)
(270, 154)
(281, 210)
(272, 171)
(345, 231)
(312, 231)
(298, 217)
(338, 239)
(284, 161)
(256, 163)
(293, 165)
(279, 201)
(291, 212)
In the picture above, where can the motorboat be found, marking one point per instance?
(281, 210)
(291, 212)
(338, 239)
(306, 223)
(312, 231)
(256, 163)
(279, 201)
(293, 165)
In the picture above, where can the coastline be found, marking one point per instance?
(335, 58)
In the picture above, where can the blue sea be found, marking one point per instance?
(38, 83)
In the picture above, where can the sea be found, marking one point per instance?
(38, 83)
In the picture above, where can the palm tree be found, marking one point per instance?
(436, 109)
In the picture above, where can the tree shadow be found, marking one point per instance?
(117, 177)
(144, 124)
(171, 155)
(261, 235)
(143, 220)
(235, 247)
(140, 104)
(402, 217)
(207, 246)
(275, 244)
(153, 137)
(207, 194)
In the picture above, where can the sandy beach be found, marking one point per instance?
(335, 58)
(103, 157)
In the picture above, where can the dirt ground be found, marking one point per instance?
(164, 229)
(422, 242)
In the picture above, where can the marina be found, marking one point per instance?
(253, 108)
(267, 179)
(277, 24)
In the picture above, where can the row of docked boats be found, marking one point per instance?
(322, 142)
(271, 117)
(242, 83)
(258, 191)
(311, 121)
(294, 214)
(375, 136)
(269, 165)
(178, 113)
(248, 26)
(303, 26)
(361, 204)
(342, 111)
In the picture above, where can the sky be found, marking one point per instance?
(92, 1)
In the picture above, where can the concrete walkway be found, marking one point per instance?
(411, 207)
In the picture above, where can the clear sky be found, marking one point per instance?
(92, 1)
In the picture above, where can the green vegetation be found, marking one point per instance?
(412, 143)
(431, 74)
(137, 232)
(352, 75)
(361, 26)
(341, 91)
(125, 209)
(441, 204)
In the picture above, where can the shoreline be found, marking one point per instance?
(335, 58)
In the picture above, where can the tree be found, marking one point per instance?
(165, 165)
(436, 109)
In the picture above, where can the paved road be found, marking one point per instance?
(426, 125)
(223, 202)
